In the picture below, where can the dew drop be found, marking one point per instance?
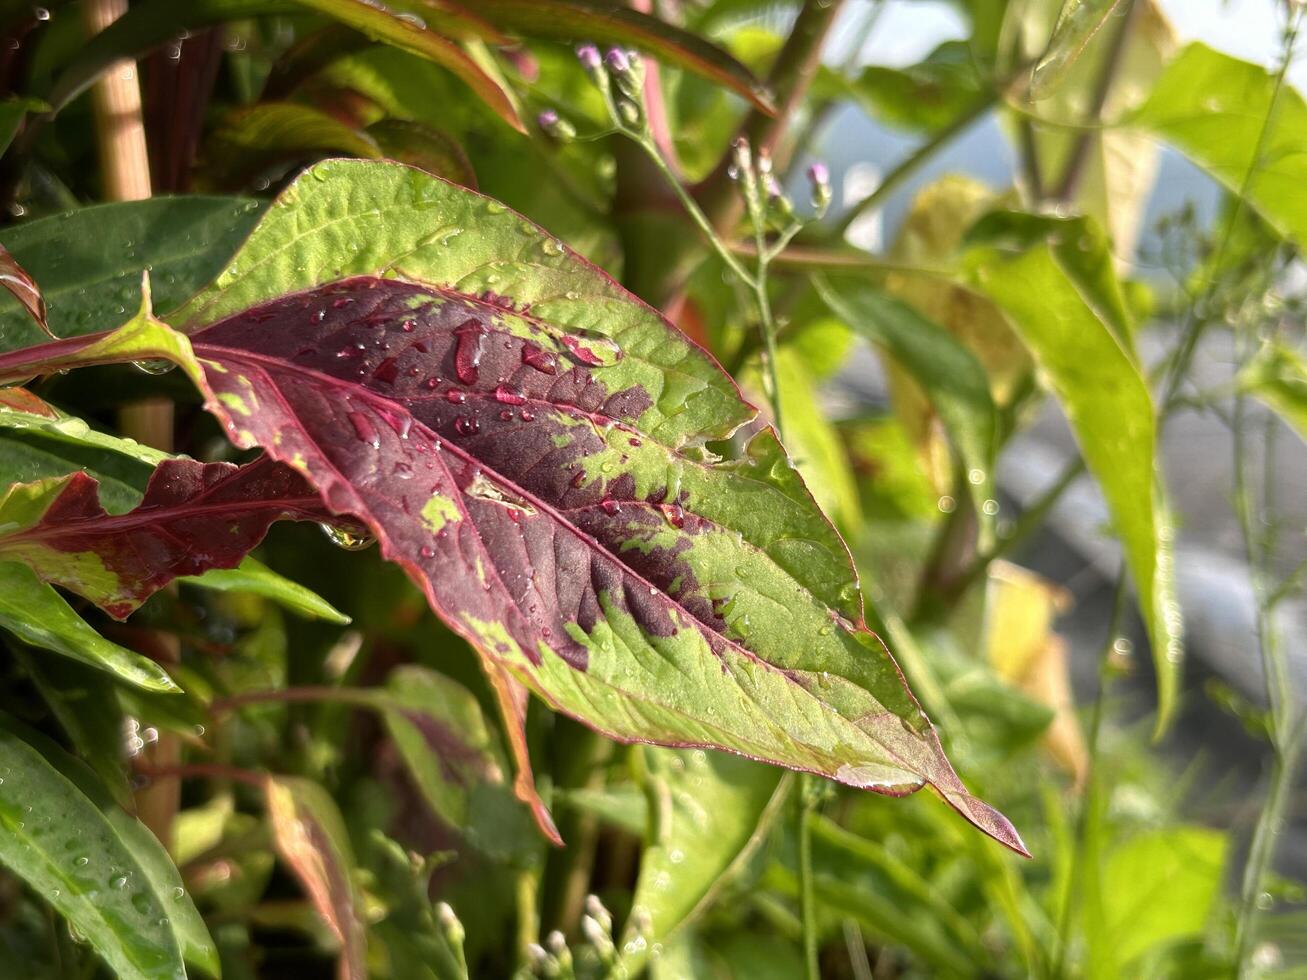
(364, 429)
(387, 371)
(432, 383)
(594, 351)
(506, 394)
(426, 551)
(528, 415)
(348, 538)
(467, 353)
(610, 506)
(154, 367)
(540, 359)
(408, 326)
(674, 514)
(466, 425)
(454, 395)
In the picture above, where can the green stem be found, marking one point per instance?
(691, 208)
(807, 891)
(1285, 732)
(896, 177)
(1089, 800)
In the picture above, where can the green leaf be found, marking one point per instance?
(950, 375)
(456, 760)
(12, 113)
(812, 439)
(1061, 299)
(1225, 115)
(712, 812)
(88, 263)
(1079, 21)
(1106, 172)
(252, 577)
(83, 702)
(1277, 377)
(38, 615)
(607, 23)
(891, 900)
(925, 97)
(251, 138)
(424, 147)
(73, 856)
(411, 34)
(147, 25)
(311, 838)
(1159, 888)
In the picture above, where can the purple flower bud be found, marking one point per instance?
(819, 175)
(588, 55)
(552, 125)
(617, 61)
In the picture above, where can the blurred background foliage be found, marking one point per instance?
(929, 325)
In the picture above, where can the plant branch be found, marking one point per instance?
(909, 166)
(1074, 174)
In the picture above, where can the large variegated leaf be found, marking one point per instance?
(527, 441)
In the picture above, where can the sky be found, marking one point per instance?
(1249, 29)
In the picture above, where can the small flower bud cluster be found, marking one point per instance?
(619, 74)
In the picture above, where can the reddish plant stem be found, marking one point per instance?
(203, 770)
(308, 692)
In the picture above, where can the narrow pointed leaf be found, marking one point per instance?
(37, 614)
(254, 578)
(310, 836)
(72, 856)
(949, 374)
(1080, 21)
(720, 809)
(1064, 303)
(193, 517)
(22, 287)
(525, 440)
(609, 23)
